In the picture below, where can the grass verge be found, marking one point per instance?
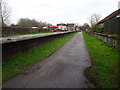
(104, 62)
(29, 33)
(15, 65)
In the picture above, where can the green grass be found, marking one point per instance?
(30, 33)
(15, 65)
(104, 62)
(8, 39)
(0, 73)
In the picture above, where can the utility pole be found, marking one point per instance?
(0, 13)
(1, 18)
(119, 5)
(0, 45)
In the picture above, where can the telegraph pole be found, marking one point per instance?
(0, 15)
(0, 45)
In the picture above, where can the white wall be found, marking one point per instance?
(62, 27)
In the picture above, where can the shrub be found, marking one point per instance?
(97, 28)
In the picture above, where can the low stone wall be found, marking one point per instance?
(11, 49)
(6, 31)
(110, 40)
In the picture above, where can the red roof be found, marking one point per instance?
(53, 26)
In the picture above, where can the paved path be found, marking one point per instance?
(63, 69)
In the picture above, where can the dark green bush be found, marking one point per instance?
(97, 28)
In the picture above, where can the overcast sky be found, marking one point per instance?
(61, 11)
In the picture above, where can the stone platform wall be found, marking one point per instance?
(11, 49)
(110, 40)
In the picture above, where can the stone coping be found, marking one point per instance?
(110, 36)
(26, 37)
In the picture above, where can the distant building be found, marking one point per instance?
(45, 27)
(62, 27)
(71, 27)
(34, 27)
(66, 27)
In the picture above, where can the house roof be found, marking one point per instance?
(70, 23)
(61, 24)
(111, 16)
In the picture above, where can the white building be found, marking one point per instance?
(71, 27)
(62, 27)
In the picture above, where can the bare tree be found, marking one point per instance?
(27, 23)
(94, 19)
(86, 26)
(6, 11)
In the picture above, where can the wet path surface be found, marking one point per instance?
(63, 69)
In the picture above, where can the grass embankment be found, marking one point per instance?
(104, 62)
(15, 65)
(30, 33)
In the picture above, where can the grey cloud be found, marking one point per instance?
(56, 11)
